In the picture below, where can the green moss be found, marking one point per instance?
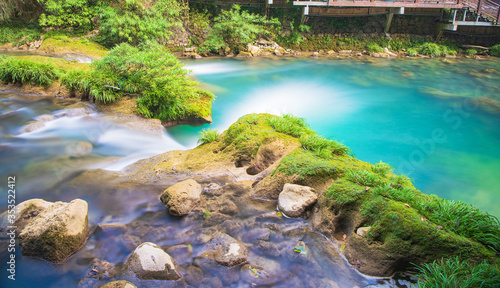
(305, 163)
(77, 45)
(345, 192)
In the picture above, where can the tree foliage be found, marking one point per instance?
(135, 21)
(235, 28)
(70, 13)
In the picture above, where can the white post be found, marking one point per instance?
(465, 14)
(306, 10)
(454, 15)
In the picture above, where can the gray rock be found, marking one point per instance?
(257, 276)
(295, 199)
(228, 207)
(79, 149)
(226, 250)
(150, 262)
(33, 126)
(213, 189)
(181, 198)
(45, 118)
(362, 231)
(57, 232)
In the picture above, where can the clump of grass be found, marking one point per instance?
(495, 50)
(208, 136)
(374, 48)
(322, 147)
(431, 49)
(289, 124)
(458, 217)
(18, 34)
(382, 168)
(412, 52)
(451, 273)
(17, 70)
(471, 51)
(362, 177)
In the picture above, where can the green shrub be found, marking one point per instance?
(133, 22)
(495, 50)
(413, 52)
(374, 48)
(207, 136)
(431, 49)
(471, 51)
(453, 273)
(19, 34)
(235, 28)
(17, 70)
(74, 13)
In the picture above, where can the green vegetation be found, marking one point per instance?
(471, 51)
(374, 48)
(18, 70)
(305, 163)
(18, 34)
(235, 28)
(363, 177)
(149, 71)
(207, 136)
(453, 273)
(382, 168)
(76, 13)
(135, 21)
(436, 50)
(495, 50)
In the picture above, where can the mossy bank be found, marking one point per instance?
(380, 222)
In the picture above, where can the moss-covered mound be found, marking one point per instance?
(404, 226)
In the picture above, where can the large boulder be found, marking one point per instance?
(295, 199)
(181, 198)
(57, 232)
(24, 213)
(226, 250)
(150, 262)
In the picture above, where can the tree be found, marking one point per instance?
(70, 13)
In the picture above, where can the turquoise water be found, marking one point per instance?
(415, 115)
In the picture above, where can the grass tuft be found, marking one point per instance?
(207, 136)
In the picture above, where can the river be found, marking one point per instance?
(415, 115)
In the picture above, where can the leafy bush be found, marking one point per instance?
(452, 273)
(149, 71)
(374, 48)
(471, 51)
(413, 52)
(235, 28)
(431, 49)
(19, 34)
(495, 50)
(75, 13)
(16, 70)
(207, 136)
(133, 22)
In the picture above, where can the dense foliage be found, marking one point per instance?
(165, 90)
(22, 71)
(235, 28)
(75, 13)
(454, 273)
(135, 21)
(495, 50)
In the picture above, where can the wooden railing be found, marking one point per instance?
(486, 8)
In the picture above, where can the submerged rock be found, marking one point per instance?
(258, 276)
(181, 198)
(226, 250)
(295, 199)
(119, 284)
(57, 232)
(149, 261)
(33, 126)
